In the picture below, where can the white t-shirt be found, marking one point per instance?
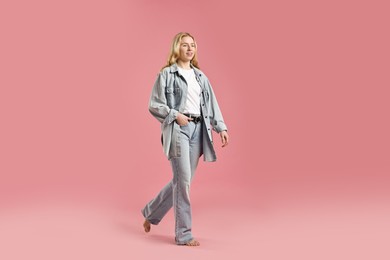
(192, 105)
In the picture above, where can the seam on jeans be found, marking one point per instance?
(199, 142)
(176, 176)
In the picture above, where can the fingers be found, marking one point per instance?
(224, 142)
(224, 139)
(183, 120)
(187, 120)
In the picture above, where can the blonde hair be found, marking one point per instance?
(175, 50)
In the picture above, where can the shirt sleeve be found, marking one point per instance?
(216, 118)
(158, 103)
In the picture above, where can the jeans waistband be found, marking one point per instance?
(195, 118)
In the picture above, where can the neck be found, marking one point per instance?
(184, 64)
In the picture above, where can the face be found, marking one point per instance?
(187, 49)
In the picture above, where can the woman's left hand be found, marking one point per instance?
(224, 138)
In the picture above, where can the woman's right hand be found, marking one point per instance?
(182, 120)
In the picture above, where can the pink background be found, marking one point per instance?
(304, 88)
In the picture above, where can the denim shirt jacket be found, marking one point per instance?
(169, 96)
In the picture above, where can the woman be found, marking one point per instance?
(184, 102)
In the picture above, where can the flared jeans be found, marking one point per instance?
(176, 193)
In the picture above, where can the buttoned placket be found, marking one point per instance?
(202, 104)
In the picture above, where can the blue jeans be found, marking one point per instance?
(177, 192)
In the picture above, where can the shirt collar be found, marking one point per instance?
(174, 69)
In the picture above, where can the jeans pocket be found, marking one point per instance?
(185, 130)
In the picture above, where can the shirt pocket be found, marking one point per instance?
(170, 97)
(169, 91)
(172, 91)
(173, 95)
(177, 91)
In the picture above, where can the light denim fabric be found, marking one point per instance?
(168, 97)
(177, 192)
